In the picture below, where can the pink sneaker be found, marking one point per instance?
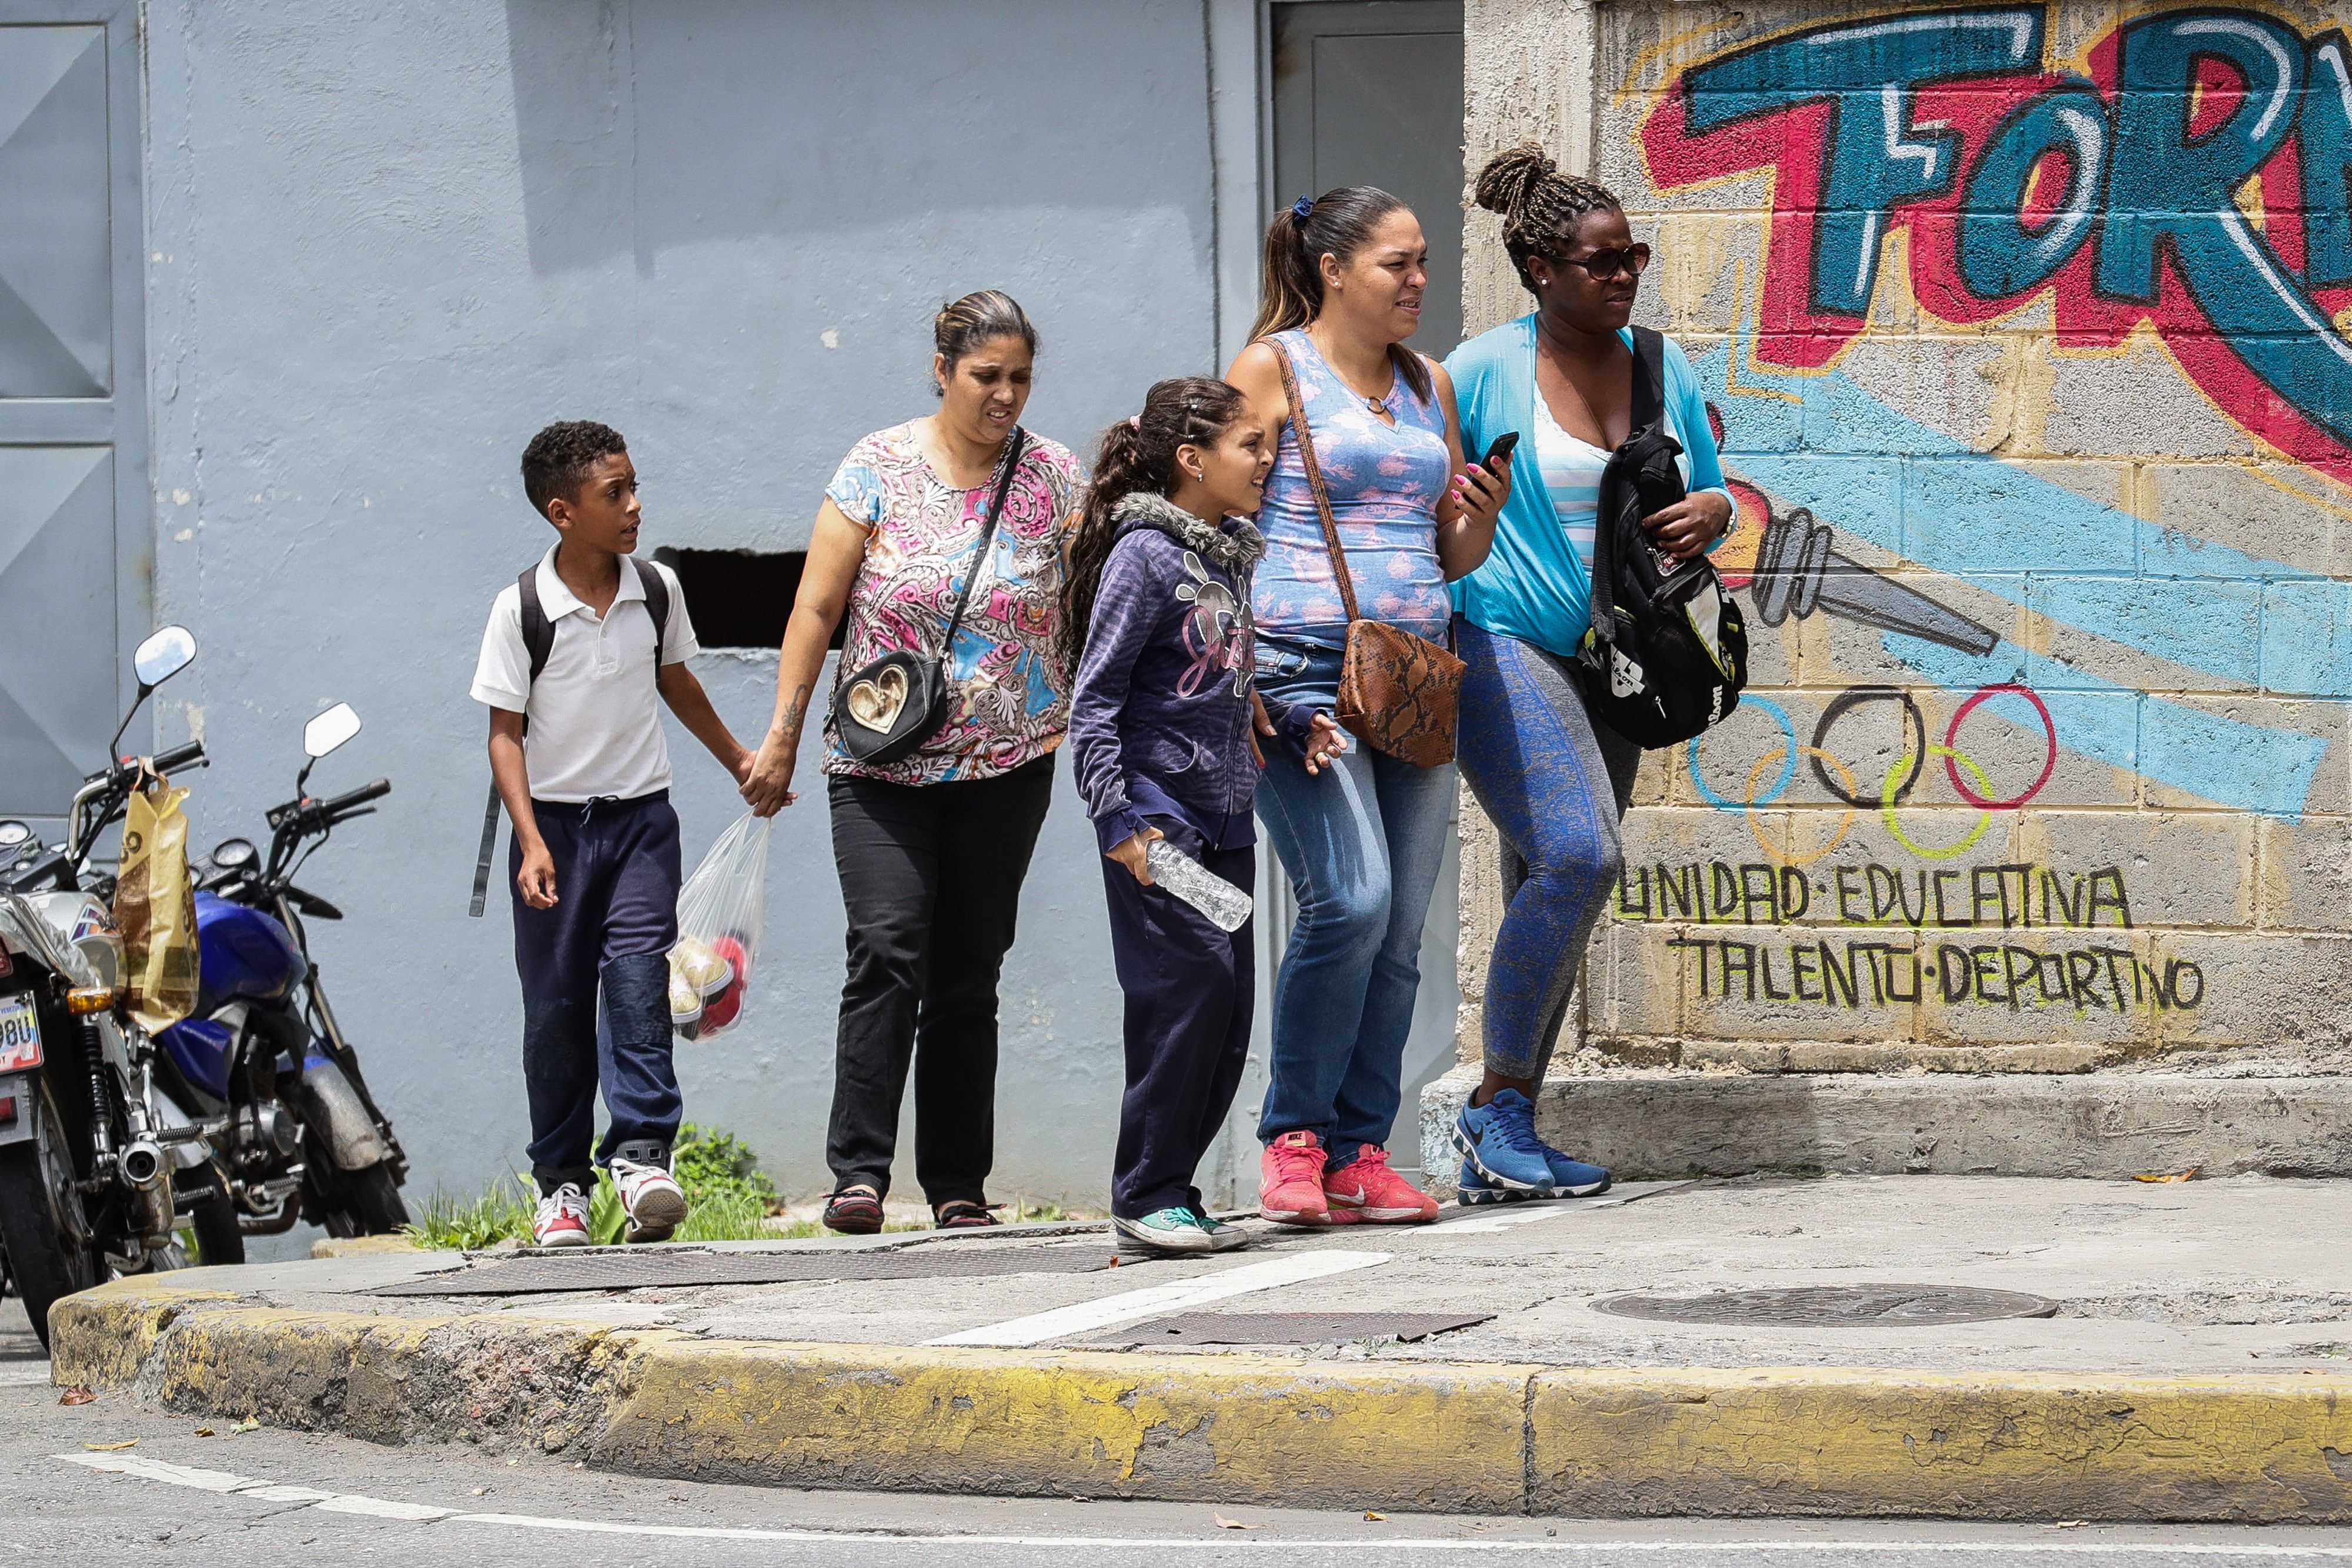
(562, 1220)
(1290, 1181)
(1366, 1189)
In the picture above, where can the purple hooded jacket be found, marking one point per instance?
(1160, 721)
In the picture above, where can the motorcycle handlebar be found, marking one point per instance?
(180, 757)
(358, 797)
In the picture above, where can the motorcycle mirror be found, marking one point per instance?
(164, 656)
(329, 730)
(234, 855)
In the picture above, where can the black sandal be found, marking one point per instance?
(855, 1210)
(962, 1214)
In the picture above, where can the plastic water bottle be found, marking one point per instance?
(1227, 906)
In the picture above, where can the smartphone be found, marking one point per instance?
(1498, 456)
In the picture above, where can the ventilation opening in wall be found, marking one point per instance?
(739, 597)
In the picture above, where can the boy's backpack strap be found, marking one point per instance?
(537, 631)
(657, 588)
(538, 641)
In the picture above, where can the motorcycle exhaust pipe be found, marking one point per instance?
(142, 1164)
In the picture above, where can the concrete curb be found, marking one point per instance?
(1271, 1430)
(2109, 1125)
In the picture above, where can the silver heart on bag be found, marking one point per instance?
(875, 702)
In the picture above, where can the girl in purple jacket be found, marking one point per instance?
(1156, 620)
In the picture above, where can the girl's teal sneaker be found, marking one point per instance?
(1169, 1232)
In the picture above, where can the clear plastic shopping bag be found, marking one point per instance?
(719, 914)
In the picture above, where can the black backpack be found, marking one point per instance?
(1667, 652)
(538, 640)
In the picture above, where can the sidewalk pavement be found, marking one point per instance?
(2195, 1368)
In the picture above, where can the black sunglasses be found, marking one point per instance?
(1603, 265)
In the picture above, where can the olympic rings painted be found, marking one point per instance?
(1786, 855)
(1916, 740)
(2049, 761)
(1788, 764)
(1887, 809)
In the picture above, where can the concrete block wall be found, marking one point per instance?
(2021, 324)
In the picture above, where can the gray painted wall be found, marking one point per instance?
(387, 243)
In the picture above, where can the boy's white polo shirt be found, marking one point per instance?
(596, 718)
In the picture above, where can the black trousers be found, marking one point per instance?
(931, 875)
(1191, 991)
(610, 933)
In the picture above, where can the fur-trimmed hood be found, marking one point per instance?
(1236, 549)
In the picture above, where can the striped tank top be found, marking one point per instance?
(1571, 474)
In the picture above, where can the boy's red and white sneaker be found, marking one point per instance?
(562, 1220)
(1366, 1189)
(1290, 1181)
(651, 1198)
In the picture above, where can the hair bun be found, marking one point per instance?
(1510, 177)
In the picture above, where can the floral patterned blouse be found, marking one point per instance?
(1010, 697)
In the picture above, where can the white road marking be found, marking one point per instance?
(148, 1470)
(1223, 1544)
(378, 1508)
(1129, 1305)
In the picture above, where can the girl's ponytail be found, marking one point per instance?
(1137, 456)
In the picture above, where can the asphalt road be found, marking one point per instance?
(267, 1497)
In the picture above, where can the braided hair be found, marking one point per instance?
(1137, 455)
(1540, 206)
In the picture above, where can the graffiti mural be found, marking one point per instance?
(2021, 327)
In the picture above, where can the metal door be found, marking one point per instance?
(1368, 92)
(73, 446)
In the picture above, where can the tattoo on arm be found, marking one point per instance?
(795, 711)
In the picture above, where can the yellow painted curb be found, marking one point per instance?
(1235, 1428)
(1245, 1428)
(1778, 1441)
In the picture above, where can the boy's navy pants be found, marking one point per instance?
(615, 921)
(1190, 990)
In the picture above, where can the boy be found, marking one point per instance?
(594, 852)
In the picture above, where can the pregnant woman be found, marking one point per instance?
(933, 848)
(1362, 838)
(1554, 780)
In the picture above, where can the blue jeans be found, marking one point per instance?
(1362, 842)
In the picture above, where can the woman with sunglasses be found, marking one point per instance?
(1554, 780)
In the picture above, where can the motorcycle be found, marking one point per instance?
(98, 1172)
(263, 1057)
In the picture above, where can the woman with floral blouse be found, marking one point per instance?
(933, 848)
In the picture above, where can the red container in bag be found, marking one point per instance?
(718, 919)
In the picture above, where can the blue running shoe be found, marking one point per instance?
(1574, 1178)
(1472, 1190)
(1498, 1141)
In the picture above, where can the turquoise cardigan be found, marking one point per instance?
(1532, 586)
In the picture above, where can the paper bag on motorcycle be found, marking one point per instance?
(155, 906)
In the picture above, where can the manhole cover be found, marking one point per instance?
(639, 1271)
(1837, 1306)
(1294, 1328)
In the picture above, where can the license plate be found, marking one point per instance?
(20, 1034)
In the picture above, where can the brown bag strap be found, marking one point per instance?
(1315, 479)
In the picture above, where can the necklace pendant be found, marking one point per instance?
(1377, 406)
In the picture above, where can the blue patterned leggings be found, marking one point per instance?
(1555, 782)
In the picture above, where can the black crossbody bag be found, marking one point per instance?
(887, 710)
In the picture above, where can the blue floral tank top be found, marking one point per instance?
(1384, 484)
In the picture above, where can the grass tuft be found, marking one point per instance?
(727, 1198)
